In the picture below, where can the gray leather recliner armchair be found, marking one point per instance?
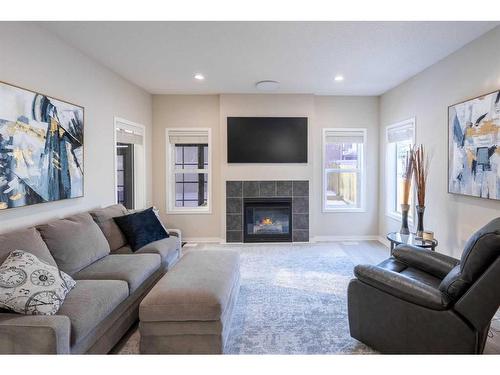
(420, 301)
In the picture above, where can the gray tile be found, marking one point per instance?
(284, 188)
(300, 205)
(300, 221)
(234, 222)
(300, 188)
(250, 189)
(234, 189)
(234, 236)
(267, 188)
(300, 236)
(233, 205)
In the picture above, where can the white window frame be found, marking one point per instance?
(390, 172)
(170, 177)
(362, 172)
(140, 162)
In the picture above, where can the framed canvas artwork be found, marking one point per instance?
(474, 155)
(41, 148)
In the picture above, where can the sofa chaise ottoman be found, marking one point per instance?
(189, 310)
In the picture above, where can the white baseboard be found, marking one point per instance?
(314, 239)
(203, 239)
(384, 241)
(345, 238)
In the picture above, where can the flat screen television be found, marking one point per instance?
(267, 139)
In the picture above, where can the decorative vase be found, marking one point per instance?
(405, 208)
(420, 223)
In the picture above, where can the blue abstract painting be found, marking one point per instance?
(41, 148)
(474, 155)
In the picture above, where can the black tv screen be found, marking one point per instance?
(267, 139)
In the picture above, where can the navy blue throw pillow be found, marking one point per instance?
(141, 228)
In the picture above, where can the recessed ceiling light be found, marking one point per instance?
(267, 85)
(199, 76)
(339, 78)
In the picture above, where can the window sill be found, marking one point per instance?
(189, 212)
(399, 217)
(341, 210)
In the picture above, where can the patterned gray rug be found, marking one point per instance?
(293, 300)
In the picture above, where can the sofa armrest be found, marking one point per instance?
(426, 260)
(34, 334)
(402, 287)
(176, 233)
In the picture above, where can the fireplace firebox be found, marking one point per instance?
(267, 220)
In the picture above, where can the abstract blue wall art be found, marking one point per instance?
(41, 148)
(474, 155)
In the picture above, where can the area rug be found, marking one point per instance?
(293, 300)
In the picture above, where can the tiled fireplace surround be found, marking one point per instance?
(237, 191)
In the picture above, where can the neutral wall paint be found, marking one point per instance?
(37, 60)
(472, 71)
(170, 111)
(191, 111)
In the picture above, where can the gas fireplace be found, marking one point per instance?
(267, 220)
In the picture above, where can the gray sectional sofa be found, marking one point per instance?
(111, 283)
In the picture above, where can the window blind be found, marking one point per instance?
(344, 136)
(400, 133)
(129, 134)
(187, 136)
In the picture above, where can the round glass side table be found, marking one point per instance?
(397, 238)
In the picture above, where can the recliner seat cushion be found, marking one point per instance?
(104, 218)
(28, 240)
(481, 250)
(396, 266)
(90, 302)
(135, 269)
(74, 242)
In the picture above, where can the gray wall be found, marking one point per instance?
(472, 71)
(34, 58)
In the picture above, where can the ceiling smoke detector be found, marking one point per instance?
(267, 85)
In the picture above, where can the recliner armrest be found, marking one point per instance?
(429, 261)
(34, 334)
(402, 287)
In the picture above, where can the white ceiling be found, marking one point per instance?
(162, 57)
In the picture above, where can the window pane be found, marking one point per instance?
(342, 155)
(342, 190)
(401, 149)
(190, 155)
(193, 156)
(191, 189)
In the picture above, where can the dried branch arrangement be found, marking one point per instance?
(407, 175)
(421, 166)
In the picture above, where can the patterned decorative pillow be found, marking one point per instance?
(30, 286)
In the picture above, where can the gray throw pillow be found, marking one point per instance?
(32, 287)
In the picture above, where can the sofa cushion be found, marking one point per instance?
(135, 269)
(168, 249)
(32, 287)
(104, 218)
(28, 240)
(141, 228)
(90, 302)
(198, 288)
(74, 242)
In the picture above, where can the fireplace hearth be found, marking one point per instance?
(267, 220)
